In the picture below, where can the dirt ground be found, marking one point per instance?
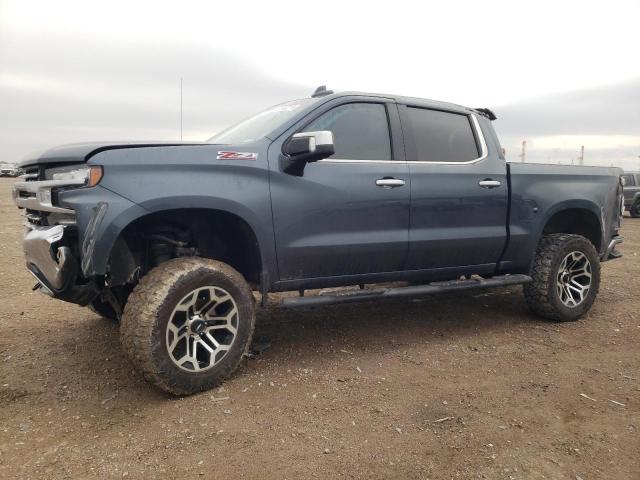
(463, 386)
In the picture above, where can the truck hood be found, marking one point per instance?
(81, 152)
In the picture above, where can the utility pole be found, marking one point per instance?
(523, 155)
(180, 108)
(581, 157)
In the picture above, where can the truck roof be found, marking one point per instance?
(420, 102)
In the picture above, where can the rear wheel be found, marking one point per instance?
(187, 324)
(566, 277)
(634, 211)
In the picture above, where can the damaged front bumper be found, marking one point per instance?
(51, 261)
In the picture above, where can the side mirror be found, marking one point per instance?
(305, 147)
(309, 146)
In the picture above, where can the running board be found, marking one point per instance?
(412, 291)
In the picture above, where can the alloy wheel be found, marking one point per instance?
(573, 279)
(202, 328)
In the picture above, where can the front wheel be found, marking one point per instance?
(634, 210)
(187, 324)
(566, 277)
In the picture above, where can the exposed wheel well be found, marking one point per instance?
(576, 220)
(155, 238)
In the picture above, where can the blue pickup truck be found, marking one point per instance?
(181, 241)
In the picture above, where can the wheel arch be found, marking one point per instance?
(579, 217)
(250, 254)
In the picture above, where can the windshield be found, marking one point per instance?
(261, 124)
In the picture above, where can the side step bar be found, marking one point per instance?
(412, 291)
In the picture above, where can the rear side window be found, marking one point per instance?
(360, 131)
(442, 136)
(629, 180)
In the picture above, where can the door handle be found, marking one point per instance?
(488, 183)
(389, 182)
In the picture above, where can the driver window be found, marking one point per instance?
(360, 131)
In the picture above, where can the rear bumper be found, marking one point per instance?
(611, 253)
(53, 265)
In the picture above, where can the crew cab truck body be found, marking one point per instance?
(328, 191)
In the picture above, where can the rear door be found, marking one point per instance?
(348, 214)
(459, 192)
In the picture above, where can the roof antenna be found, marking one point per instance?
(321, 91)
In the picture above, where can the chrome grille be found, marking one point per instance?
(31, 174)
(34, 217)
(34, 194)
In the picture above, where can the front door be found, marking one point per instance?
(347, 214)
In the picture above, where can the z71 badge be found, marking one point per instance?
(223, 155)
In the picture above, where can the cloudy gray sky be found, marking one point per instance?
(559, 74)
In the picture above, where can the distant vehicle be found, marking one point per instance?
(631, 182)
(327, 191)
(9, 170)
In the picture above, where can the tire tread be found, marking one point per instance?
(537, 293)
(140, 318)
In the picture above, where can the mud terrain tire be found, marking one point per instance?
(544, 295)
(159, 298)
